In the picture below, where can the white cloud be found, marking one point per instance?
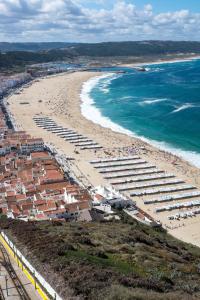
(3, 9)
(70, 20)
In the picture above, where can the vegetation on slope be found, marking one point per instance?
(22, 58)
(143, 48)
(20, 54)
(109, 260)
(129, 48)
(43, 46)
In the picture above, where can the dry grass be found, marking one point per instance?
(111, 260)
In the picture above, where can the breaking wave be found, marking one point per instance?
(152, 101)
(183, 107)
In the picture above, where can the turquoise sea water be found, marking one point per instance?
(161, 105)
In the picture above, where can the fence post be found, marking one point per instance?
(6, 279)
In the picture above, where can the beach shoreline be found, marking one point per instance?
(160, 62)
(59, 98)
(90, 112)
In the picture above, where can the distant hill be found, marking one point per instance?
(6, 47)
(137, 48)
(15, 59)
(15, 56)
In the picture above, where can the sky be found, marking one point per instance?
(98, 20)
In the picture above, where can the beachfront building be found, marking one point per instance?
(32, 145)
(9, 82)
(20, 142)
(3, 126)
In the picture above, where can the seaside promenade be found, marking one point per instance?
(164, 186)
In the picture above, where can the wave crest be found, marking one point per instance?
(108, 78)
(183, 107)
(153, 101)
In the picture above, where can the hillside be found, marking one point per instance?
(144, 48)
(16, 56)
(6, 47)
(132, 48)
(109, 260)
(22, 58)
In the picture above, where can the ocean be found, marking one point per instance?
(160, 106)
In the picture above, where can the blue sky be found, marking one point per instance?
(158, 5)
(99, 20)
(172, 5)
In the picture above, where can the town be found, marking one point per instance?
(35, 187)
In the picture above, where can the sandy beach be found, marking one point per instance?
(59, 98)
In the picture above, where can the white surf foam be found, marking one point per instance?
(125, 98)
(183, 107)
(153, 70)
(153, 101)
(90, 112)
(104, 86)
